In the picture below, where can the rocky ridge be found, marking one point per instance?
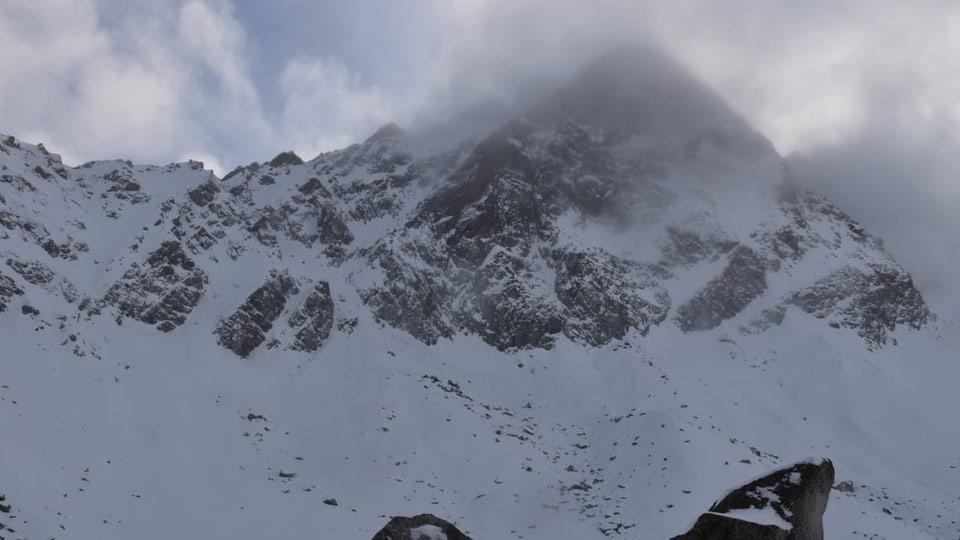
(571, 220)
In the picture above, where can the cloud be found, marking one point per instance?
(151, 81)
(867, 90)
(326, 106)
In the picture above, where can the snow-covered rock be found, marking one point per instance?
(421, 527)
(787, 504)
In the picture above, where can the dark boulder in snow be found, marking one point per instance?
(784, 505)
(422, 527)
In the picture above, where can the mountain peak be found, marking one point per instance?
(387, 131)
(639, 88)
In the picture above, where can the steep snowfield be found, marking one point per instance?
(153, 440)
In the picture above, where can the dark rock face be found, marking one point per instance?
(331, 228)
(411, 298)
(37, 273)
(8, 289)
(596, 312)
(505, 311)
(686, 247)
(313, 319)
(798, 495)
(246, 328)
(162, 291)
(286, 158)
(204, 194)
(418, 528)
(872, 303)
(743, 280)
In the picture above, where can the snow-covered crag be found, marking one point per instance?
(629, 228)
(631, 199)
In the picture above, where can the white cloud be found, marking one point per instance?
(95, 80)
(326, 106)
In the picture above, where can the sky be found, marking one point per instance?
(868, 91)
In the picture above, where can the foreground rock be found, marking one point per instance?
(422, 527)
(785, 505)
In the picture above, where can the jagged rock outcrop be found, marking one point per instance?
(37, 273)
(784, 505)
(162, 291)
(742, 281)
(410, 297)
(872, 302)
(508, 309)
(247, 327)
(331, 228)
(204, 194)
(422, 527)
(286, 159)
(313, 320)
(8, 289)
(597, 313)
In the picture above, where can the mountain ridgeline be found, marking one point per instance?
(631, 199)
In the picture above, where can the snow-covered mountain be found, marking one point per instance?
(588, 322)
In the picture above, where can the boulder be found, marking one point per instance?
(787, 504)
(422, 527)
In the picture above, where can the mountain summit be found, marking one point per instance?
(638, 89)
